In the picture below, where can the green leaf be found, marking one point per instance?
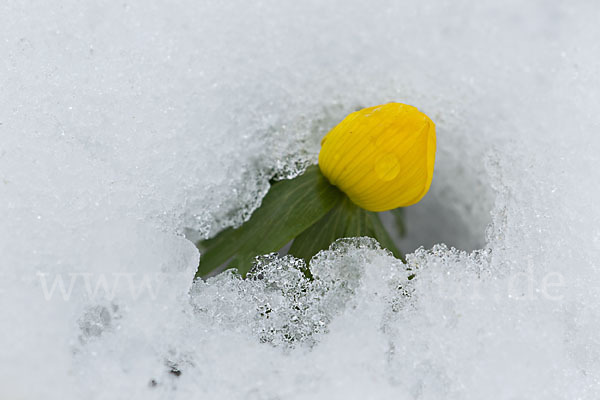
(383, 237)
(289, 208)
(327, 230)
(344, 220)
(398, 214)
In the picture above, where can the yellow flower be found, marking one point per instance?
(382, 157)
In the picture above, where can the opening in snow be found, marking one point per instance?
(455, 212)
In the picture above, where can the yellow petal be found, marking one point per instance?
(382, 157)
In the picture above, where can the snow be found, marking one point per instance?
(129, 130)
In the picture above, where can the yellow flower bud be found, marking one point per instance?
(382, 157)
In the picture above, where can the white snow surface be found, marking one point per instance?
(128, 130)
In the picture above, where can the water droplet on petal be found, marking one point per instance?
(387, 167)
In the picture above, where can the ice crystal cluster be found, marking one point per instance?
(128, 130)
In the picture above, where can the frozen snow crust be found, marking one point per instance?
(128, 130)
